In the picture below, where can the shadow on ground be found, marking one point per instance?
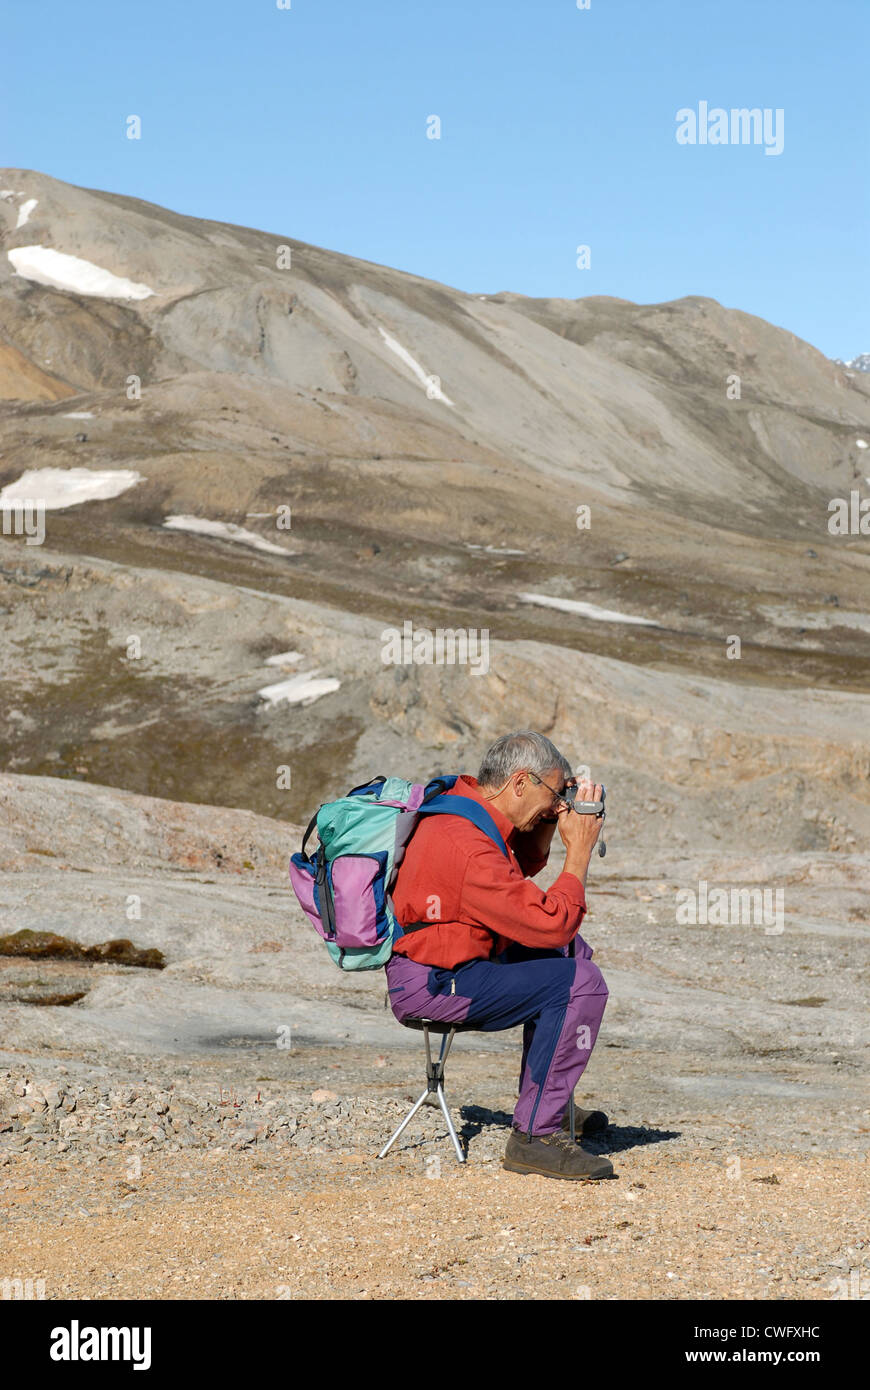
(476, 1118)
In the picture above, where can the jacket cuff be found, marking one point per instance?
(570, 886)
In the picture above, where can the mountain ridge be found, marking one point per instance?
(566, 473)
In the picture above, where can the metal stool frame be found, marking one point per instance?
(434, 1092)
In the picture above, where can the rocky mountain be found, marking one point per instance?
(258, 457)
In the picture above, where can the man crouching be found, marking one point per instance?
(483, 945)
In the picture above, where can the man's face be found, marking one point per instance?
(535, 801)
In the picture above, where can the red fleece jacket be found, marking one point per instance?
(476, 900)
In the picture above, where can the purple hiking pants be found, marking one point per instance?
(560, 1001)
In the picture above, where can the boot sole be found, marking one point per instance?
(528, 1168)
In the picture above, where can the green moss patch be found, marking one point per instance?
(46, 945)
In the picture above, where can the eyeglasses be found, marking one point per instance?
(558, 796)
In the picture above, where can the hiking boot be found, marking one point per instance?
(586, 1121)
(553, 1156)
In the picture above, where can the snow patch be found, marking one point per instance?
(283, 659)
(495, 550)
(24, 212)
(227, 531)
(79, 415)
(62, 272)
(862, 443)
(586, 610)
(67, 487)
(433, 389)
(299, 690)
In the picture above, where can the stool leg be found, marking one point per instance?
(459, 1154)
(435, 1070)
(431, 1069)
(407, 1120)
(445, 1048)
(433, 1094)
(438, 1070)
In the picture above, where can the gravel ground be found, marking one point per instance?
(274, 1222)
(188, 1189)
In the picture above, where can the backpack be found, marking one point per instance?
(344, 888)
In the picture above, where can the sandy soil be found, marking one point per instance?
(236, 1226)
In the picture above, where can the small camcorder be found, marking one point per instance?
(587, 808)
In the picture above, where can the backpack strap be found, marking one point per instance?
(468, 809)
(310, 827)
(437, 786)
(364, 786)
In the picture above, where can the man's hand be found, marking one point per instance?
(580, 833)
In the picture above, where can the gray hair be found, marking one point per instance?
(523, 749)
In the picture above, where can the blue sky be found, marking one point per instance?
(557, 129)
